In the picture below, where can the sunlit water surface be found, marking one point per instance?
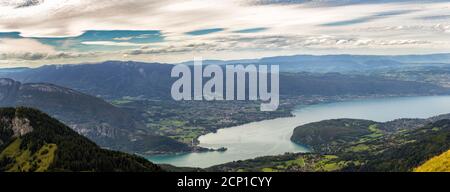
(271, 137)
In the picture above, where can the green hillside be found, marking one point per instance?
(32, 141)
(107, 125)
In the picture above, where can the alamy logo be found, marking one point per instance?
(242, 82)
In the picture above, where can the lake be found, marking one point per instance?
(271, 137)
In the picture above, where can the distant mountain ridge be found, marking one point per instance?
(437, 58)
(104, 123)
(342, 63)
(116, 79)
(315, 63)
(110, 79)
(82, 111)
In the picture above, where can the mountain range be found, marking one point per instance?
(81, 95)
(104, 123)
(116, 79)
(342, 63)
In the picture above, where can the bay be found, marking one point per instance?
(272, 137)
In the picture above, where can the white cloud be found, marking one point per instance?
(110, 43)
(290, 27)
(23, 45)
(71, 18)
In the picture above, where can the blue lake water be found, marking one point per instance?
(271, 137)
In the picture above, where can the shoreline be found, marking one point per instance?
(307, 102)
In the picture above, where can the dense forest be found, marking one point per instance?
(104, 123)
(118, 79)
(33, 141)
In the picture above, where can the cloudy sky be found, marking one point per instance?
(37, 32)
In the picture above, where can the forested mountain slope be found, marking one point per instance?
(33, 141)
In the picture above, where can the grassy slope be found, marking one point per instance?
(52, 146)
(309, 162)
(25, 160)
(439, 163)
(404, 151)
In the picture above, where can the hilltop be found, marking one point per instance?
(33, 141)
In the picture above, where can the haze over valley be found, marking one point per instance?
(358, 85)
(126, 105)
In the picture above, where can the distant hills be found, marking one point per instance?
(110, 79)
(33, 141)
(75, 95)
(81, 95)
(88, 115)
(335, 84)
(116, 79)
(342, 63)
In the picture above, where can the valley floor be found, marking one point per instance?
(186, 121)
